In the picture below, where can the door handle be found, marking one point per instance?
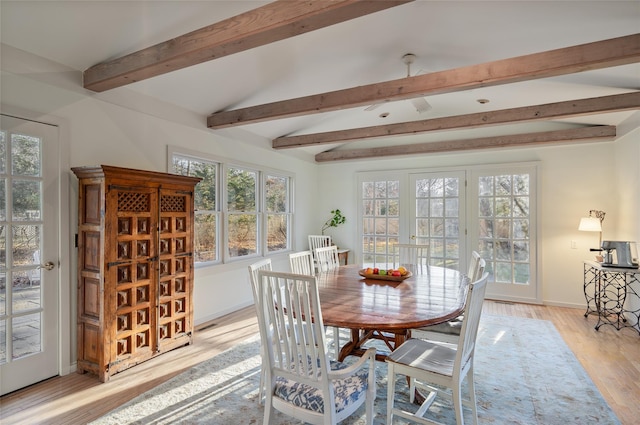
(47, 266)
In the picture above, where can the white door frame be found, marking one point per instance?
(67, 217)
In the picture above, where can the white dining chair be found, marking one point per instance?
(301, 262)
(301, 380)
(327, 258)
(264, 264)
(450, 331)
(318, 241)
(413, 257)
(429, 364)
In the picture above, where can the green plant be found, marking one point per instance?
(335, 220)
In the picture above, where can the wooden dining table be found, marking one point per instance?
(387, 310)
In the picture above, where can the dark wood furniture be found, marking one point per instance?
(387, 310)
(135, 266)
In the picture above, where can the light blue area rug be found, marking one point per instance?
(524, 373)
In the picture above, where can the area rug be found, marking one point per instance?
(524, 373)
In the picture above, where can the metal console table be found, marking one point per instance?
(611, 293)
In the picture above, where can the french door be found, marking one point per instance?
(422, 208)
(489, 209)
(437, 216)
(29, 236)
(504, 230)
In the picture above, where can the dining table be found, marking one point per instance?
(387, 310)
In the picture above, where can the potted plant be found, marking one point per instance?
(336, 219)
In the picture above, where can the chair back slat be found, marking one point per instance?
(327, 258)
(471, 322)
(413, 257)
(302, 263)
(473, 271)
(254, 268)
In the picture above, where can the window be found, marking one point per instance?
(241, 210)
(278, 214)
(207, 214)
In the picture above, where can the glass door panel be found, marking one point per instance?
(28, 295)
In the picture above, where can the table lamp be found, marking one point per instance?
(593, 223)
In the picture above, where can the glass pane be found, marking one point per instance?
(3, 152)
(393, 189)
(521, 184)
(503, 229)
(521, 206)
(503, 207)
(26, 245)
(276, 194)
(367, 226)
(486, 228)
(367, 189)
(451, 187)
(422, 188)
(422, 227)
(394, 208)
(367, 207)
(452, 229)
(485, 186)
(422, 208)
(3, 294)
(25, 155)
(521, 251)
(393, 226)
(451, 207)
(503, 185)
(205, 232)
(26, 199)
(26, 294)
(381, 189)
(3, 199)
(437, 188)
(3, 248)
(380, 226)
(503, 273)
(277, 232)
(437, 228)
(521, 274)
(241, 190)
(437, 208)
(243, 234)
(485, 207)
(3, 341)
(521, 229)
(27, 335)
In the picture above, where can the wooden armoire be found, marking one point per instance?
(135, 266)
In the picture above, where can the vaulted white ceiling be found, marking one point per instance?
(442, 34)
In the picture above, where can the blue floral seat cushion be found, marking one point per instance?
(346, 391)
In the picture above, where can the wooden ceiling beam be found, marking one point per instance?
(275, 21)
(585, 57)
(549, 111)
(593, 133)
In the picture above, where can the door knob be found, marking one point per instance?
(47, 266)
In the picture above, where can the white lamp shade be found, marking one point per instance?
(590, 224)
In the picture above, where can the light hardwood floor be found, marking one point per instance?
(612, 359)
